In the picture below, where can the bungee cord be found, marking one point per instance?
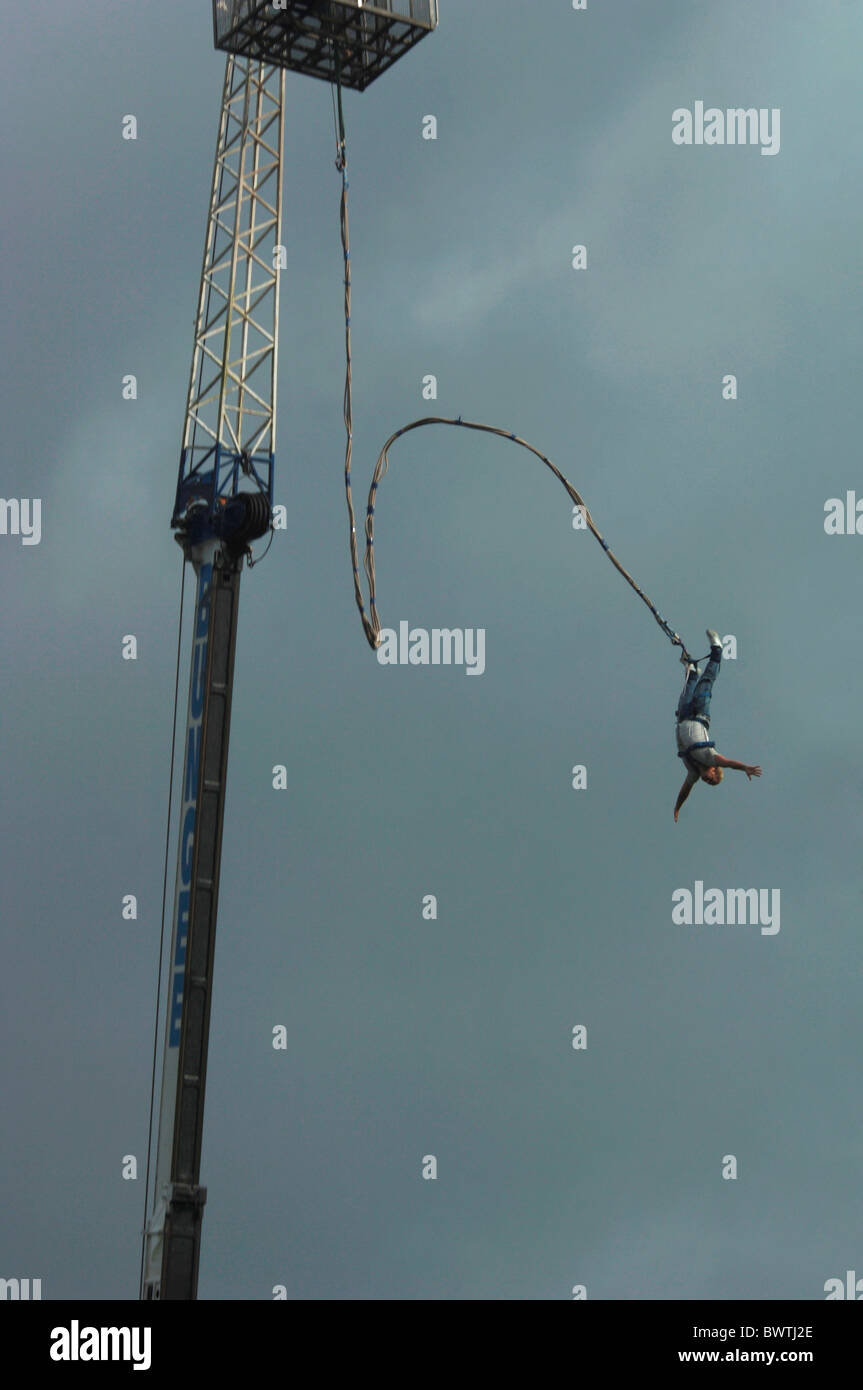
(371, 619)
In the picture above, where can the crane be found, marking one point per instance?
(223, 503)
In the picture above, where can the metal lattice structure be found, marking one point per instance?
(230, 429)
(346, 39)
(223, 502)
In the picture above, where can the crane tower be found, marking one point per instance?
(224, 502)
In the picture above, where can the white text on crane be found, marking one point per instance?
(190, 798)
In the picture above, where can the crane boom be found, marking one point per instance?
(223, 502)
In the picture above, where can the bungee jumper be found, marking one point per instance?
(694, 745)
(693, 721)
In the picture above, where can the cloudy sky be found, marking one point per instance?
(556, 1167)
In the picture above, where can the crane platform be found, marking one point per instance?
(345, 39)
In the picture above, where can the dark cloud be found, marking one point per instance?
(451, 1038)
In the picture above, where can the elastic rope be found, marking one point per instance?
(372, 628)
(250, 473)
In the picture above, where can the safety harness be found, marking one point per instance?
(704, 721)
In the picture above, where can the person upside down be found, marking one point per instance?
(694, 744)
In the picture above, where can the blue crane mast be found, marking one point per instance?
(223, 503)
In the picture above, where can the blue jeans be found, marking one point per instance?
(694, 703)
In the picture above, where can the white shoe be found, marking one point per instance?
(713, 637)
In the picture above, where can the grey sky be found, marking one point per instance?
(452, 1037)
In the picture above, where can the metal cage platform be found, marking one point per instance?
(324, 38)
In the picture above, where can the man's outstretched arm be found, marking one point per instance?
(684, 792)
(749, 768)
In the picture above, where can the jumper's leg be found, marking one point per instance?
(700, 704)
(685, 701)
